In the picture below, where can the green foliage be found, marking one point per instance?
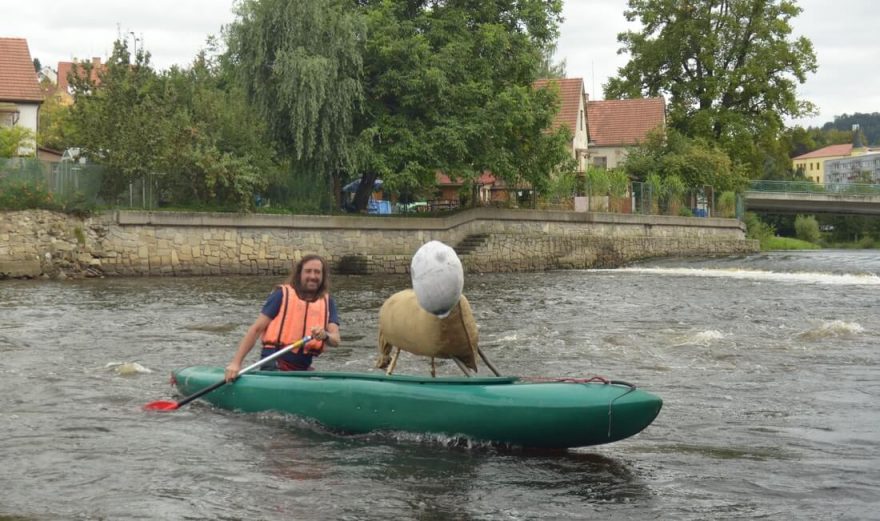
(807, 228)
(121, 122)
(850, 229)
(599, 181)
(728, 69)
(697, 162)
(618, 183)
(869, 124)
(79, 234)
(22, 195)
(449, 88)
(301, 64)
(799, 140)
(55, 128)
(400, 90)
(217, 152)
(726, 206)
(16, 141)
(785, 243)
(562, 186)
(757, 229)
(189, 134)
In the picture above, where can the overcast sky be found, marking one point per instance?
(844, 34)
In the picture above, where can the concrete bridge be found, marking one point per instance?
(804, 197)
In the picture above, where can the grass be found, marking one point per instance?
(787, 243)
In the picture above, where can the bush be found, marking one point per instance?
(806, 228)
(757, 229)
(727, 204)
(23, 195)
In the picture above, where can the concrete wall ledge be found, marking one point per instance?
(39, 243)
(391, 222)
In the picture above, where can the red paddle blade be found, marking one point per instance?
(161, 405)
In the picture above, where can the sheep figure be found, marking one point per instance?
(433, 319)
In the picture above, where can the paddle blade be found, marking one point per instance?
(161, 405)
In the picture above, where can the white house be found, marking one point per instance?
(20, 95)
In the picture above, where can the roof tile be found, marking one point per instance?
(569, 91)
(625, 122)
(831, 150)
(18, 79)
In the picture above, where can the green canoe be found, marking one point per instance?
(505, 410)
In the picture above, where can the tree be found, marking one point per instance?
(300, 62)
(55, 126)
(218, 153)
(696, 162)
(869, 125)
(187, 132)
(449, 87)
(427, 86)
(728, 68)
(119, 120)
(16, 141)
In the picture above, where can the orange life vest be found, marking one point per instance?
(295, 319)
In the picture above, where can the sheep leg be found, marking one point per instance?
(433, 368)
(461, 366)
(393, 362)
(487, 362)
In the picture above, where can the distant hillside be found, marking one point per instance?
(869, 124)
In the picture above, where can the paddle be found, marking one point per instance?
(167, 405)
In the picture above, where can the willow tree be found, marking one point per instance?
(728, 68)
(300, 62)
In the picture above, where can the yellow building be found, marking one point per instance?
(812, 164)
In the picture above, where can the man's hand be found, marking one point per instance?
(232, 371)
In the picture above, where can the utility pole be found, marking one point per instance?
(134, 45)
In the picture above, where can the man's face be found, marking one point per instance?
(312, 275)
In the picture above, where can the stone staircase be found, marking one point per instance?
(471, 243)
(353, 265)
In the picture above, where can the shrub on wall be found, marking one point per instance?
(727, 204)
(21, 195)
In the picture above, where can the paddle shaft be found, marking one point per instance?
(249, 368)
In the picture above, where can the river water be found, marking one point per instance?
(767, 364)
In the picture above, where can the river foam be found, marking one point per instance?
(866, 279)
(832, 328)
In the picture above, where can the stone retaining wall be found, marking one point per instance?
(39, 243)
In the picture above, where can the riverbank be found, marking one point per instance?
(39, 243)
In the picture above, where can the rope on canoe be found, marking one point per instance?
(572, 380)
(592, 379)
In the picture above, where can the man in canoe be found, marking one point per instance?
(301, 306)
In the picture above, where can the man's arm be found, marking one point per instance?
(245, 346)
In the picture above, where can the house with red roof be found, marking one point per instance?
(62, 87)
(489, 189)
(20, 94)
(812, 164)
(572, 114)
(615, 126)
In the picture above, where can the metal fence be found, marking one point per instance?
(70, 183)
(809, 187)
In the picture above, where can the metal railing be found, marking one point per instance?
(807, 187)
